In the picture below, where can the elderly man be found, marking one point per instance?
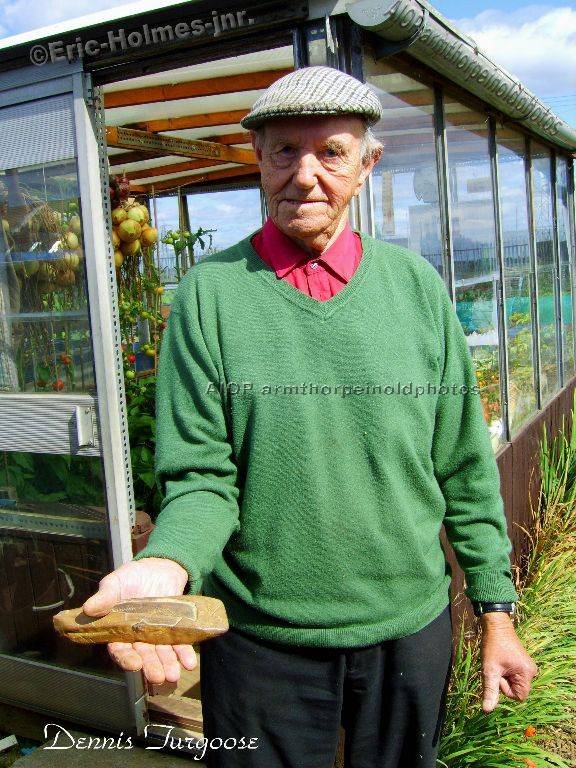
(318, 421)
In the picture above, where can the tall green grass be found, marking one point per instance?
(545, 624)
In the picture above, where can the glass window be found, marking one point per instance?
(518, 278)
(54, 530)
(476, 269)
(166, 211)
(566, 277)
(405, 181)
(231, 214)
(316, 36)
(545, 270)
(45, 343)
(53, 553)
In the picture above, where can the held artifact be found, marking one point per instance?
(184, 619)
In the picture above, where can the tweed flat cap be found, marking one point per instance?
(314, 91)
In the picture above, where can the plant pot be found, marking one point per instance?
(141, 530)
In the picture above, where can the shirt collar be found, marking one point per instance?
(284, 254)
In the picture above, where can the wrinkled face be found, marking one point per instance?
(310, 170)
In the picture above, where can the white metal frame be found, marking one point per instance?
(103, 303)
(114, 702)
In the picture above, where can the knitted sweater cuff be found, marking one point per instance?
(163, 550)
(490, 586)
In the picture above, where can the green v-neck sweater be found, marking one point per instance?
(309, 452)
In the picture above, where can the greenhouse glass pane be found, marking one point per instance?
(405, 181)
(476, 268)
(518, 278)
(45, 343)
(566, 277)
(545, 270)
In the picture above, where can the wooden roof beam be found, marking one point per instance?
(213, 86)
(126, 138)
(162, 170)
(134, 157)
(242, 137)
(423, 97)
(202, 178)
(139, 156)
(203, 120)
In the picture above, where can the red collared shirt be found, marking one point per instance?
(321, 277)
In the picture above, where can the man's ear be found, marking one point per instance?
(367, 168)
(256, 145)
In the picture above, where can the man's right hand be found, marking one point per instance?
(149, 577)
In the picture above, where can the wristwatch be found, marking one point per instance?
(481, 607)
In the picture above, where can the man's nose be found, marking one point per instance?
(306, 171)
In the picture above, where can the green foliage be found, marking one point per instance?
(140, 401)
(39, 477)
(140, 299)
(473, 294)
(518, 318)
(184, 243)
(546, 626)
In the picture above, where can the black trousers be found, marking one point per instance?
(389, 697)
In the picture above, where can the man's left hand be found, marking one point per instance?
(506, 666)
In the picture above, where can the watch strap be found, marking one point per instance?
(482, 607)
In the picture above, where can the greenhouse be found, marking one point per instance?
(123, 163)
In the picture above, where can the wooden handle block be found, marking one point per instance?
(157, 620)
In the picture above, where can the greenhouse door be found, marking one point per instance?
(65, 482)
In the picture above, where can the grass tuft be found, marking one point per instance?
(546, 625)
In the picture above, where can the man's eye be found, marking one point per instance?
(331, 152)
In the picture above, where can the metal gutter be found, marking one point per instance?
(417, 26)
